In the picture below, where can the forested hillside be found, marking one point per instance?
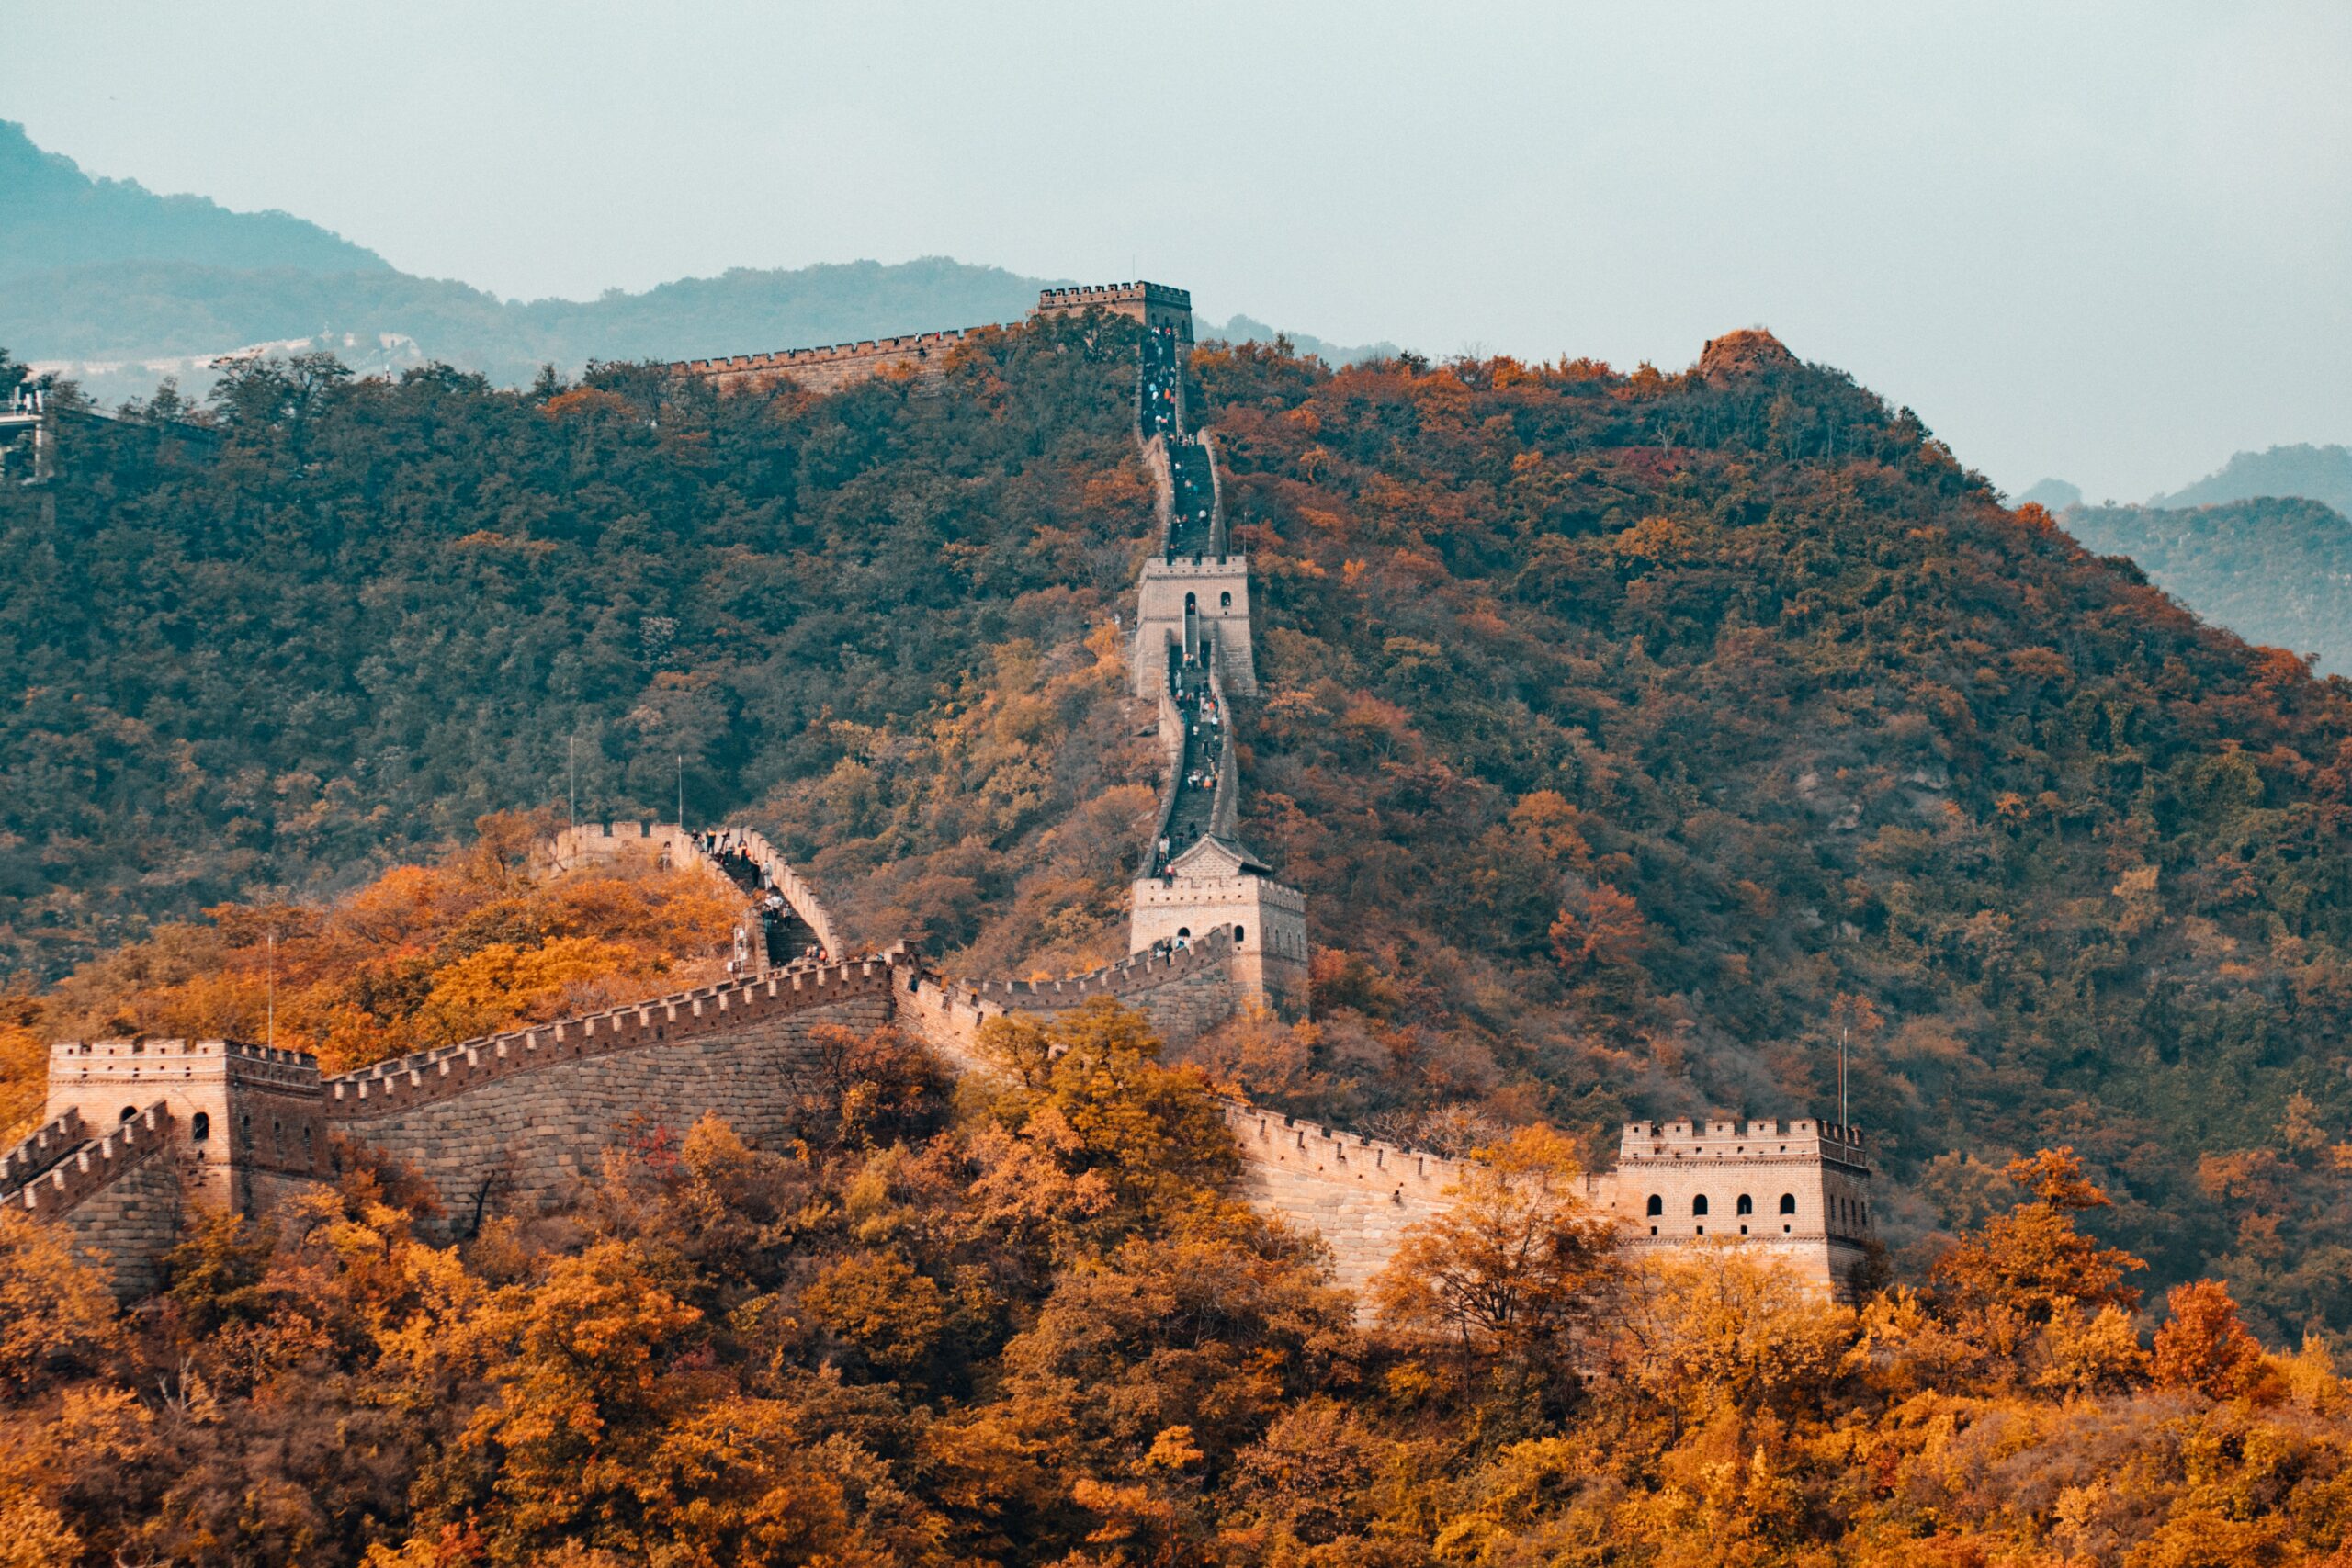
(2276, 572)
(1632, 735)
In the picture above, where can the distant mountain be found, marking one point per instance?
(117, 287)
(2321, 473)
(60, 217)
(2276, 570)
(118, 326)
(1245, 329)
(2056, 495)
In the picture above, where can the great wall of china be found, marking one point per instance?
(135, 1129)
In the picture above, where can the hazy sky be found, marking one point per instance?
(2110, 242)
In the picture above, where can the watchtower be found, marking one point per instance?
(253, 1118)
(1798, 1192)
(1153, 304)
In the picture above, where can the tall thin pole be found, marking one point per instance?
(270, 938)
(572, 769)
(682, 792)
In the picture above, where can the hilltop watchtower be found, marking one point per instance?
(1156, 305)
(252, 1119)
(1799, 1192)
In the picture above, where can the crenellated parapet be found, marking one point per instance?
(590, 842)
(513, 1121)
(1184, 990)
(924, 356)
(96, 1163)
(829, 368)
(40, 1148)
(1359, 1194)
(1153, 304)
(448, 1071)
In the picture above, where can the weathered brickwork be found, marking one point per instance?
(515, 1142)
(130, 1223)
(1798, 1191)
(1154, 304)
(925, 355)
(1359, 1194)
(119, 1194)
(40, 1148)
(244, 1111)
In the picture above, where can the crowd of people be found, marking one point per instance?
(726, 848)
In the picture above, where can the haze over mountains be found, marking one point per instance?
(118, 287)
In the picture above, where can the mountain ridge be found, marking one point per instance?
(1628, 728)
(58, 216)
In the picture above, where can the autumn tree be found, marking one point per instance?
(1513, 1265)
(2026, 1262)
(1084, 1117)
(2202, 1345)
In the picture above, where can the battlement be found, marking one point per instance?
(590, 841)
(40, 1148)
(1137, 972)
(1268, 1136)
(1182, 990)
(95, 1165)
(923, 356)
(1718, 1139)
(920, 346)
(1197, 569)
(1153, 304)
(143, 1060)
(405, 1082)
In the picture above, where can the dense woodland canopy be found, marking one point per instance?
(1031, 1325)
(1633, 735)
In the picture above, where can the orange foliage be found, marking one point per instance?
(2204, 1346)
(424, 955)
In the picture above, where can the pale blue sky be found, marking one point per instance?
(2108, 241)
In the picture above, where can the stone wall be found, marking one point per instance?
(1798, 1191)
(1218, 593)
(1153, 304)
(590, 842)
(1357, 1194)
(1183, 994)
(504, 1123)
(132, 1221)
(243, 1110)
(40, 1148)
(119, 1195)
(923, 356)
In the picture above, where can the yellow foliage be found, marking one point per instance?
(503, 986)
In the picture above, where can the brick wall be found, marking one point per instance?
(1358, 1194)
(506, 1124)
(132, 1221)
(920, 355)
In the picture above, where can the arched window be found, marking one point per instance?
(1657, 1204)
(1185, 931)
(1699, 1204)
(200, 1127)
(1238, 933)
(1191, 603)
(1225, 601)
(1788, 1202)
(130, 1113)
(1747, 1204)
